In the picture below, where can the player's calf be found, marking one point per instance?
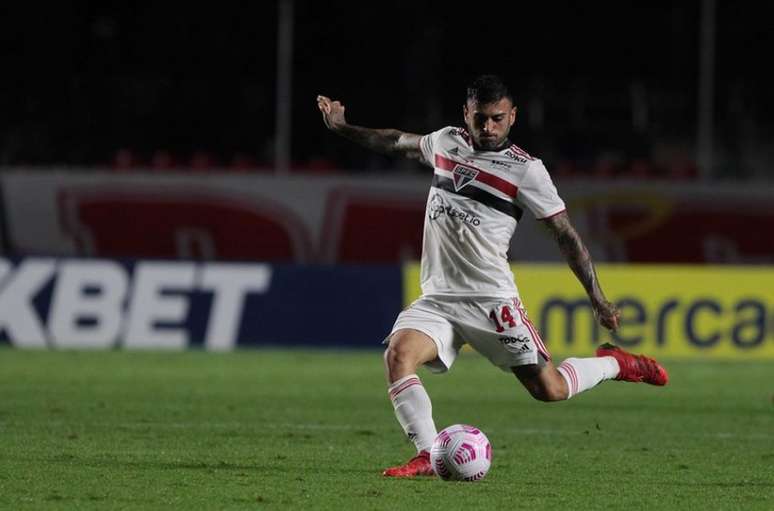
(543, 383)
(573, 376)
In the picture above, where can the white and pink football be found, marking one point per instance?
(461, 453)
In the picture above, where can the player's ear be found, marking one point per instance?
(513, 115)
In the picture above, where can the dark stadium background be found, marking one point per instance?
(606, 88)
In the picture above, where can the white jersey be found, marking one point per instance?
(475, 202)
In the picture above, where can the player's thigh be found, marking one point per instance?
(429, 318)
(412, 345)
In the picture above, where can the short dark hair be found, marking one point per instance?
(487, 89)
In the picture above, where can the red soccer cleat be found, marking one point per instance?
(419, 465)
(636, 368)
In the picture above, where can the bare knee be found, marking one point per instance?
(400, 356)
(408, 349)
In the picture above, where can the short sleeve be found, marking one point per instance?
(538, 193)
(428, 143)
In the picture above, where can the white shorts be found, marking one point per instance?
(498, 328)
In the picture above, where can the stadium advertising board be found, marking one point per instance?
(356, 219)
(100, 303)
(666, 311)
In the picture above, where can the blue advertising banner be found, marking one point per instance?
(102, 303)
(325, 305)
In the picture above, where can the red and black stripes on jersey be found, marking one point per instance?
(478, 194)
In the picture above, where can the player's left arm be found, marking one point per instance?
(578, 258)
(387, 141)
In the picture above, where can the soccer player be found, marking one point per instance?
(481, 184)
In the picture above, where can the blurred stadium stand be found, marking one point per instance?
(605, 90)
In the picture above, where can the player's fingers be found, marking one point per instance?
(606, 318)
(612, 323)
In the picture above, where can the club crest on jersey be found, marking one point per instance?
(463, 175)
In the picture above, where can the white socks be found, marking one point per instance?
(414, 411)
(584, 373)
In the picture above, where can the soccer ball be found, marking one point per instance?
(461, 453)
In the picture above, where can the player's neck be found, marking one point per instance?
(506, 144)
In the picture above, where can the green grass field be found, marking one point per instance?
(312, 430)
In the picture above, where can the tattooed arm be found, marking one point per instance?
(387, 141)
(579, 260)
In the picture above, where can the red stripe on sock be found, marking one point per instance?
(403, 386)
(566, 373)
(573, 376)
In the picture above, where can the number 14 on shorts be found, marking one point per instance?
(502, 315)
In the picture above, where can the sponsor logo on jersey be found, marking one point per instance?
(519, 344)
(519, 339)
(515, 156)
(462, 176)
(438, 208)
(459, 132)
(498, 163)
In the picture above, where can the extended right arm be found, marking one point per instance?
(388, 141)
(579, 260)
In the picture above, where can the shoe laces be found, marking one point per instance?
(648, 367)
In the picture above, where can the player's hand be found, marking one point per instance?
(607, 314)
(332, 112)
